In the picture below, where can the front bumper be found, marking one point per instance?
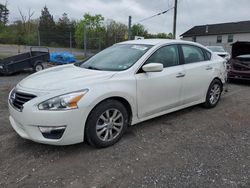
(27, 122)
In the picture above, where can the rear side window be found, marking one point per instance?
(167, 55)
(192, 54)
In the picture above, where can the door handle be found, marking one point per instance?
(180, 75)
(209, 68)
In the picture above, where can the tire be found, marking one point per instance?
(213, 94)
(99, 127)
(38, 67)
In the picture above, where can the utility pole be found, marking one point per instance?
(70, 41)
(38, 35)
(175, 18)
(100, 42)
(129, 27)
(85, 40)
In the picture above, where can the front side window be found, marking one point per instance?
(116, 58)
(167, 55)
(219, 39)
(192, 54)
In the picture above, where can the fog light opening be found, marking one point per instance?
(52, 132)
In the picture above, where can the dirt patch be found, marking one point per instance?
(194, 147)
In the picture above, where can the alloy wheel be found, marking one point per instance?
(214, 94)
(109, 125)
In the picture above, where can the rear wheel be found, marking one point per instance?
(38, 67)
(213, 94)
(106, 124)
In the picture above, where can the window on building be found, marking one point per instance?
(219, 39)
(194, 39)
(230, 38)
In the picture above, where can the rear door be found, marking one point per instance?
(160, 91)
(198, 73)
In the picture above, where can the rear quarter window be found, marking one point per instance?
(208, 55)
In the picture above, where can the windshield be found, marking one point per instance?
(116, 58)
(244, 58)
(216, 48)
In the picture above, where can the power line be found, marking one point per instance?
(150, 17)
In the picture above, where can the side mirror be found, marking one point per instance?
(153, 67)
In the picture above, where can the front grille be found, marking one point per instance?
(18, 99)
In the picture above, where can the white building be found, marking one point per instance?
(223, 34)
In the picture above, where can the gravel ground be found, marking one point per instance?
(194, 147)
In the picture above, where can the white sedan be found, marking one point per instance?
(123, 85)
(220, 51)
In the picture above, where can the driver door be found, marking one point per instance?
(160, 91)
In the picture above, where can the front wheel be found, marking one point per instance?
(213, 94)
(106, 124)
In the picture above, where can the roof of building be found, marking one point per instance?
(219, 29)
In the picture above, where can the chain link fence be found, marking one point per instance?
(61, 42)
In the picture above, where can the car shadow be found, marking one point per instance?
(240, 82)
(38, 148)
(20, 73)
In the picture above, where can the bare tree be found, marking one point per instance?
(26, 20)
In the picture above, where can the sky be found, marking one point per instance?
(190, 12)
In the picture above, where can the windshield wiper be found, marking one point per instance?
(92, 68)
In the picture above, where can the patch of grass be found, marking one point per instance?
(2, 56)
(80, 57)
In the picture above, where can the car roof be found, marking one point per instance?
(214, 46)
(155, 42)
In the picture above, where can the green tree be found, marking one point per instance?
(64, 27)
(160, 35)
(4, 14)
(46, 27)
(139, 30)
(115, 32)
(94, 30)
(1, 27)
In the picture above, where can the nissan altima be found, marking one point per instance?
(125, 84)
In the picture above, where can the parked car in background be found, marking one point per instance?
(29, 60)
(239, 64)
(220, 51)
(123, 85)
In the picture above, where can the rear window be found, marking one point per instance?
(245, 58)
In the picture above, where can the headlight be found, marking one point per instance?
(63, 102)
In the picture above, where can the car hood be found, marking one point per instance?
(240, 48)
(63, 77)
